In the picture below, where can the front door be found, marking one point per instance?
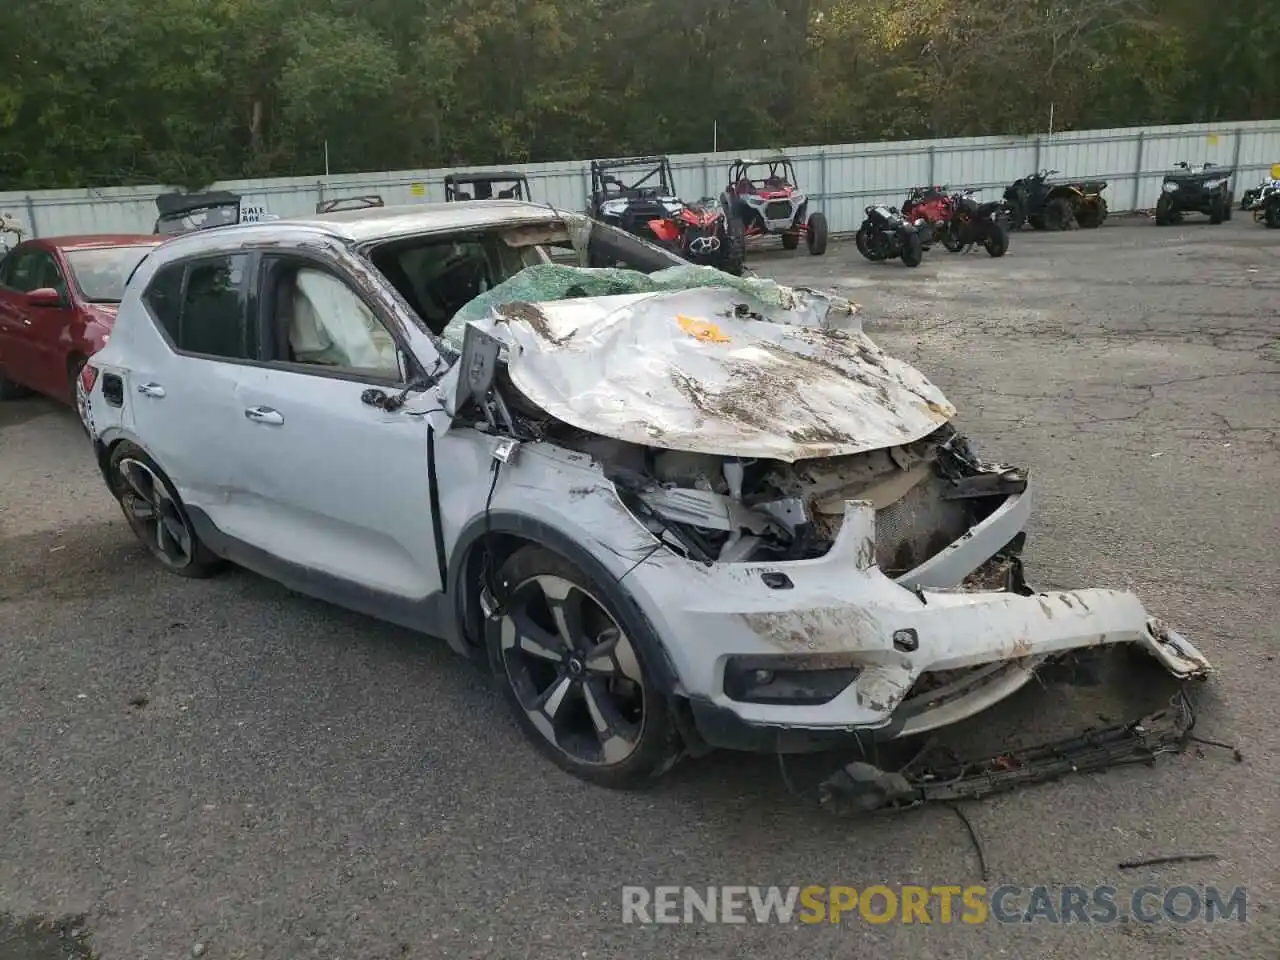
(325, 479)
(30, 336)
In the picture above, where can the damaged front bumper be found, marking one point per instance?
(791, 656)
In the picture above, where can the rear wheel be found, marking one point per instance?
(1272, 216)
(912, 249)
(816, 234)
(1216, 213)
(156, 514)
(1091, 217)
(574, 676)
(734, 258)
(951, 236)
(997, 241)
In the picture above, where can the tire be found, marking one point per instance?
(1228, 207)
(1162, 213)
(137, 482)
(1091, 218)
(1216, 214)
(912, 249)
(790, 240)
(1272, 216)
(1037, 222)
(1058, 214)
(816, 235)
(734, 261)
(997, 240)
(951, 239)
(861, 241)
(593, 684)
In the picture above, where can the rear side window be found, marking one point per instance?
(204, 306)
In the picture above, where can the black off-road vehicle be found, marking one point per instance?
(181, 213)
(339, 204)
(1054, 205)
(481, 186)
(638, 195)
(1188, 190)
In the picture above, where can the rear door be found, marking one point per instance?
(183, 398)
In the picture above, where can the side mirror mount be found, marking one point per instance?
(44, 297)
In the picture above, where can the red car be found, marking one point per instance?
(58, 300)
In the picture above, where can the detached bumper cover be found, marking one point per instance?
(841, 611)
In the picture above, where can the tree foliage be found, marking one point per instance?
(104, 92)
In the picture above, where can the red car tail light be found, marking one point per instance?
(88, 377)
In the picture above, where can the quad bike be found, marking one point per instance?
(1187, 190)
(1049, 205)
(885, 234)
(1268, 206)
(957, 220)
(637, 195)
(1251, 199)
(977, 223)
(766, 199)
(482, 184)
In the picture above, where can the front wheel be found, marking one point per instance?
(951, 237)
(816, 234)
(997, 240)
(1272, 216)
(1058, 214)
(1017, 215)
(156, 514)
(790, 240)
(1216, 214)
(574, 676)
(912, 249)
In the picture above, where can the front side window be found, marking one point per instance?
(30, 269)
(322, 322)
(204, 306)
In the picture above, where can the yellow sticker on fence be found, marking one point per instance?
(703, 330)
(418, 190)
(1213, 139)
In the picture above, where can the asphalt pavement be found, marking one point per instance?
(224, 769)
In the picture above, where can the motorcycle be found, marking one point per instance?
(885, 233)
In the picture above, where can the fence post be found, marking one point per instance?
(1137, 172)
(31, 217)
(319, 192)
(822, 177)
(933, 175)
(1235, 157)
(706, 177)
(1038, 167)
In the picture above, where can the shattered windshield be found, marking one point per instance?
(101, 273)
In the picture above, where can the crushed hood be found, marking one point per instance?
(716, 370)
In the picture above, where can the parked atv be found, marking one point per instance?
(885, 234)
(1267, 207)
(768, 202)
(935, 205)
(1187, 190)
(957, 220)
(1251, 199)
(973, 222)
(1049, 205)
(9, 227)
(637, 194)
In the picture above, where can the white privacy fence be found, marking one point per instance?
(840, 179)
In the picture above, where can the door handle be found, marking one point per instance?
(264, 415)
(151, 389)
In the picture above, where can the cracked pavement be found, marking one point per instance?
(226, 764)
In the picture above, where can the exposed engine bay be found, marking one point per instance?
(926, 495)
